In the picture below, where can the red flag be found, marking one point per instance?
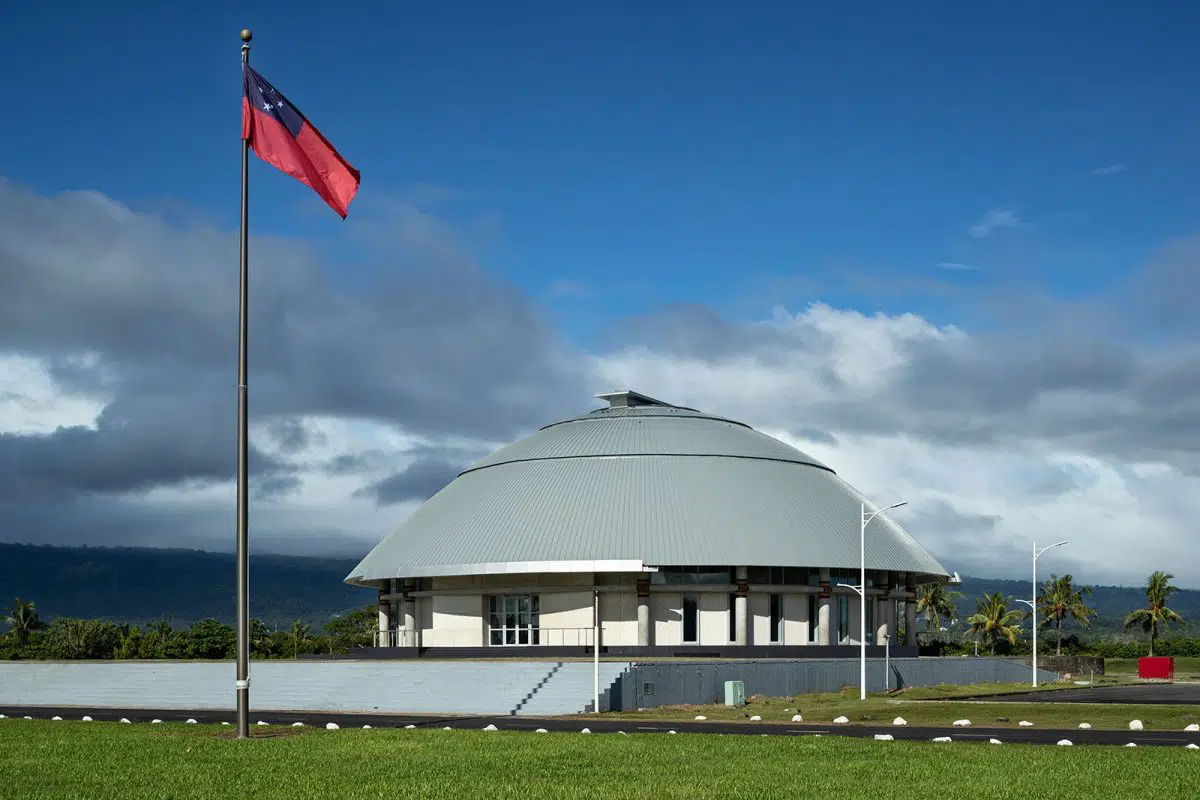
(281, 136)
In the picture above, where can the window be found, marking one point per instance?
(870, 604)
(843, 618)
(693, 576)
(814, 617)
(776, 618)
(690, 620)
(782, 576)
(733, 618)
(513, 620)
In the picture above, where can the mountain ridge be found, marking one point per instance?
(140, 584)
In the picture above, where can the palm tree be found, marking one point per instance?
(1156, 613)
(934, 602)
(23, 621)
(299, 637)
(993, 621)
(1060, 600)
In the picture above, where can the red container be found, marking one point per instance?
(1160, 667)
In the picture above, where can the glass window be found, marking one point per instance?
(843, 618)
(782, 576)
(691, 626)
(733, 618)
(814, 617)
(513, 620)
(870, 621)
(776, 618)
(693, 576)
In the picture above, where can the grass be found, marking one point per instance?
(911, 704)
(1186, 668)
(43, 759)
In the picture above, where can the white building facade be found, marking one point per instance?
(670, 608)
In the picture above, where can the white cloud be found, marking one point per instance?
(955, 266)
(1111, 169)
(32, 402)
(979, 505)
(992, 221)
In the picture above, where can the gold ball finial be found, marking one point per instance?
(246, 35)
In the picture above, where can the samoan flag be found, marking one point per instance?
(281, 136)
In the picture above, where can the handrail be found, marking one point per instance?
(534, 637)
(397, 637)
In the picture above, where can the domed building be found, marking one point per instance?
(661, 529)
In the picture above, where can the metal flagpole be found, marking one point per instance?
(243, 447)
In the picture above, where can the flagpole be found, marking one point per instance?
(243, 446)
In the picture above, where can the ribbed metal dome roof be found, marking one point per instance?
(641, 483)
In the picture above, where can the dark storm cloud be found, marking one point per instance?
(816, 436)
(138, 443)
(694, 331)
(435, 346)
(422, 479)
(965, 542)
(291, 435)
(107, 520)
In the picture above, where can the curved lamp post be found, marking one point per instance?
(1033, 604)
(861, 590)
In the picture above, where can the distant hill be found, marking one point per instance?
(138, 585)
(1111, 602)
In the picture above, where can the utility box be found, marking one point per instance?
(735, 693)
(1158, 667)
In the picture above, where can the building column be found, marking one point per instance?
(910, 610)
(882, 628)
(408, 619)
(826, 611)
(385, 616)
(889, 618)
(643, 611)
(741, 629)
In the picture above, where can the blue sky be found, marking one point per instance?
(737, 155)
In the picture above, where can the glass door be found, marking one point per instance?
(513, 620)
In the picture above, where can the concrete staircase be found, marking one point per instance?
(568, 689)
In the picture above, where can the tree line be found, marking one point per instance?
(995, 628)
(999, 630)
(30, 637)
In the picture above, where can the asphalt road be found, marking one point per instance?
(1149, 694)
(567, 724)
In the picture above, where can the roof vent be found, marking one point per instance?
(627, 398)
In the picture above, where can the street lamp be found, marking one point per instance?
(1033, 605)
(861, 590)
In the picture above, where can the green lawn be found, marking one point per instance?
(913, 705)
(1186, 668)
(43, 759)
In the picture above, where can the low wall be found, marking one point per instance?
(459, 687)
(1075, 666)
(688, 683)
